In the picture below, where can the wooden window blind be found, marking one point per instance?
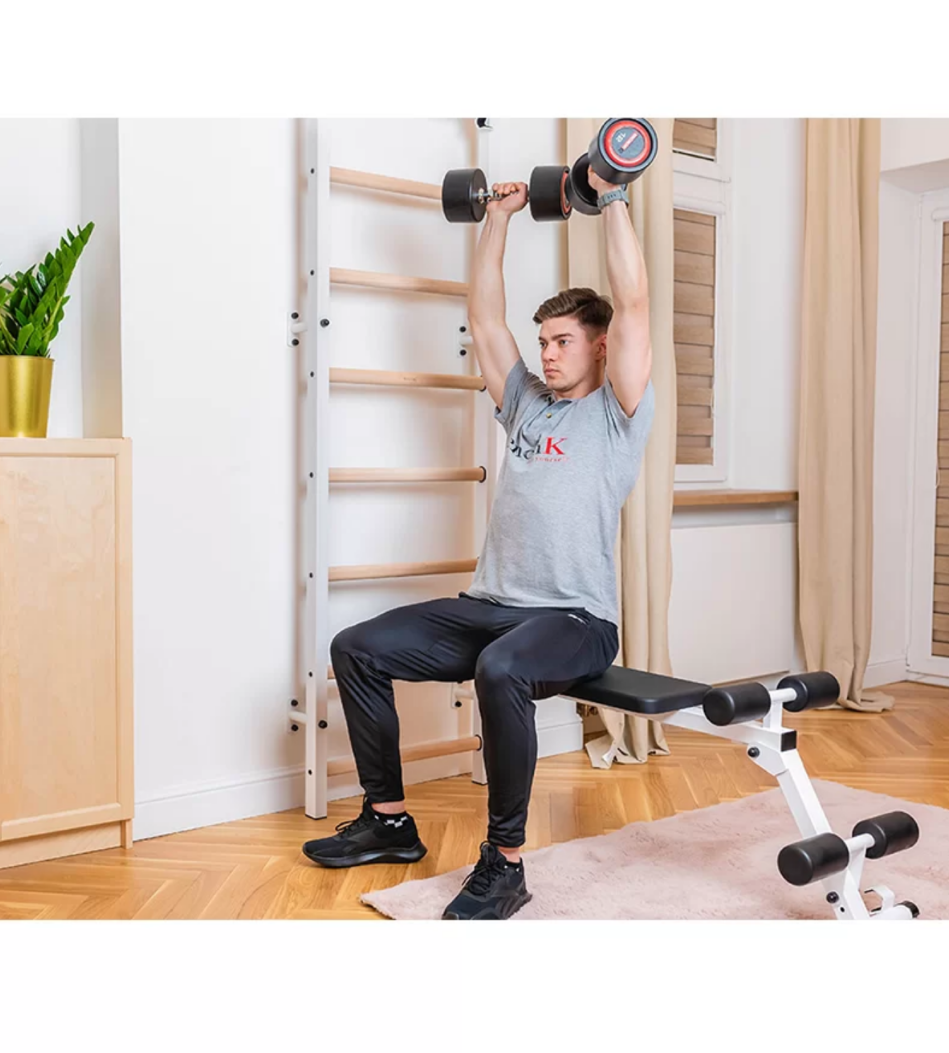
(697, 136)
(941, 569)
(694, 335)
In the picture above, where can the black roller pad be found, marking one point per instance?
(813, 689)
(817, 857)
(891, 832)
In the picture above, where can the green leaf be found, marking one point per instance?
(23, 337)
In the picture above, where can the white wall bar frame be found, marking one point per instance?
(318, 339)
(318, 332)
(486, 453)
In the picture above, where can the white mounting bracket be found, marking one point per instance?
(296, 718)
(294, 328)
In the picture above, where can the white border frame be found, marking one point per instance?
(920, 659)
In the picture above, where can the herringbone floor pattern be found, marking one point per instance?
(254, 869)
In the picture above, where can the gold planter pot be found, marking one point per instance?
(25, 383)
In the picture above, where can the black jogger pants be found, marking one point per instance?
(514, 654)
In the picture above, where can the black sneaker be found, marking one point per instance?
(493, 891)
(368, 839)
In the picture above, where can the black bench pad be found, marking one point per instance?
(637, 692)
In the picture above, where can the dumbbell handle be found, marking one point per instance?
(490, 195)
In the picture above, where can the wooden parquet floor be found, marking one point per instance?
(253, 868)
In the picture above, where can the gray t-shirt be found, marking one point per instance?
(569, 466)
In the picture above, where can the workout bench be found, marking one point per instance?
(751, 714)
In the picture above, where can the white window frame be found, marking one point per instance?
(701, 185)
(934, 211)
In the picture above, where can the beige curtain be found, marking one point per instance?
(838, 372)
(643, 547)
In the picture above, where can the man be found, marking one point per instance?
(541, 611)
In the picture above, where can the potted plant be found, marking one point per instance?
(32, 305)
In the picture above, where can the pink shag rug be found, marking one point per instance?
(718, 862)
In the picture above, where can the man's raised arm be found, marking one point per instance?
(494, 343)
(628, 345)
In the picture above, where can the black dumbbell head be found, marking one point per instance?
(460, 200)
(582, 195)
(548, 193)
(623, 149)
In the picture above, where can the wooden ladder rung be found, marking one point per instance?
(392, 185)
(385, 378)
(407, 475)
(414, 753)
(401, 570)
(397, 282)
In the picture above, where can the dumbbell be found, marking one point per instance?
(818, 857)
(465, 194)
(620, 152)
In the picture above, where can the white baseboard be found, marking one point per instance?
(225, 801)
(222, 801)
(887, 672)
(564, 736)
(929, 678)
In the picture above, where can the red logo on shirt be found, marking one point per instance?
(552, 454)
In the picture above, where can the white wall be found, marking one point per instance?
(39, 201)
(209, 249)
(767, 202)
(102, 288)
(733, 611)
(907, 141)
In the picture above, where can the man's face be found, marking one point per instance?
(567, 353)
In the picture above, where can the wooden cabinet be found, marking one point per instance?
(65, 647)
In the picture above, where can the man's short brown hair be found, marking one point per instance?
(592, 311)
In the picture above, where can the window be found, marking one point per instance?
(695, 136)
(700, 301)
(694, 334)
